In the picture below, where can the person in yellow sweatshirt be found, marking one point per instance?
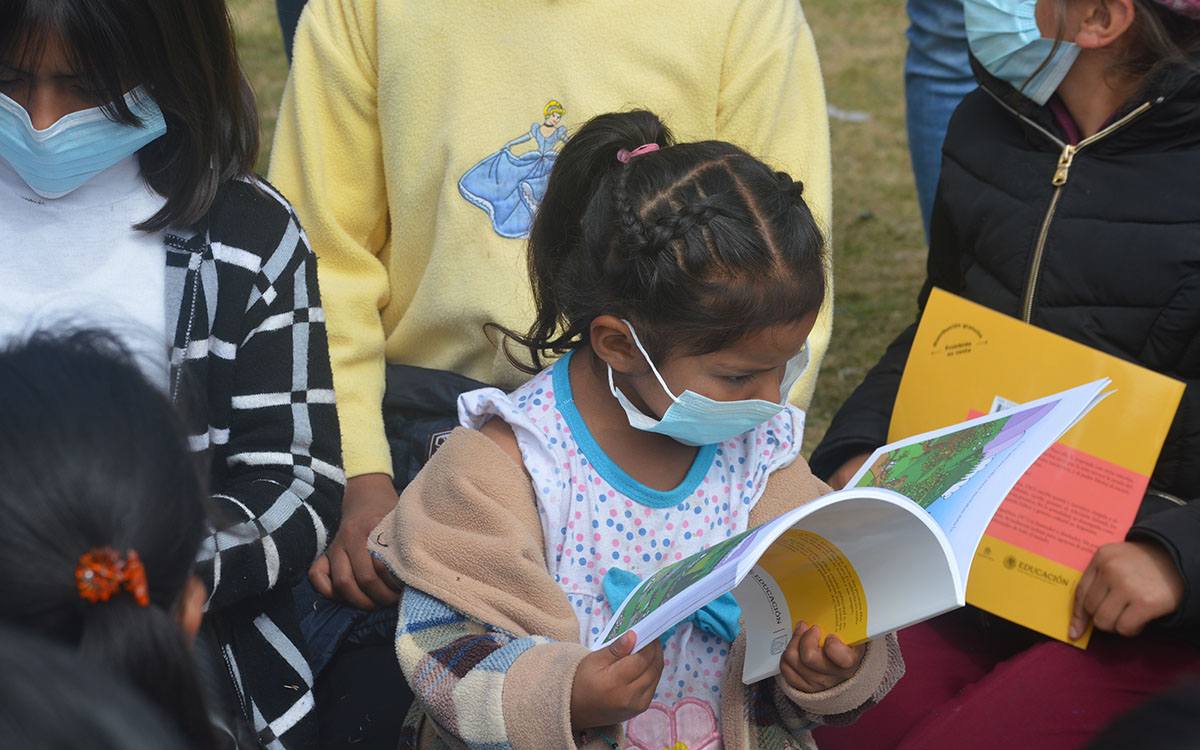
(415, 140)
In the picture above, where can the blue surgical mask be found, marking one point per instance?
(55, 161)
(1004, 37)
(693, 419)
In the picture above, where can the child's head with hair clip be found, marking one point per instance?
(695, 244)
(104, 511)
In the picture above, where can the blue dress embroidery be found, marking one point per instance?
(510, 187)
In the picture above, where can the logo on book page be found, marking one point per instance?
(1010, 562)
(958, 340)
(778, 645)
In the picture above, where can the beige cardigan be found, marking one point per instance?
(467, 532)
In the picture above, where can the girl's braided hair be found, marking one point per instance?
(697, 243)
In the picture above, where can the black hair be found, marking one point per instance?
(697, 244)
(52, 698)
(183, 52)
(1162, 38)
(93, 456)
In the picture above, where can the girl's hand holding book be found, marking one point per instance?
(613, 685)
(809, 667)
(1126, 585)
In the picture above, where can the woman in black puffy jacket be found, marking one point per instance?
(1081, 215)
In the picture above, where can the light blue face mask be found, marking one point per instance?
(55, 161)
(693, 419)
(1004, 37)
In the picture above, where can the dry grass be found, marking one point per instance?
(878, 241)
(261, 48)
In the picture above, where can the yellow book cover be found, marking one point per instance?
(1082, 493)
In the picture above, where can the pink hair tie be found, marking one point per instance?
(624, 155)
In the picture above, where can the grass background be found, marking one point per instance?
(878, 241)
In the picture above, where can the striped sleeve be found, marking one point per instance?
(457, 667)
(279, 484)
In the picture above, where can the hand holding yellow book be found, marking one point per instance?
(967, 359)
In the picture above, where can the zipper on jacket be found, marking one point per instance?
(1035, 266)
(1064, 165)
(1166, 496)
(1061, 172)
(187, 336)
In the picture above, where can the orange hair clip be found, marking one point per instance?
(104, 572)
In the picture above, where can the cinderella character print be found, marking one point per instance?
(509, 186)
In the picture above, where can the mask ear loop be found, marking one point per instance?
(637, 342)
(790, 380)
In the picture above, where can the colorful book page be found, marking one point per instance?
(819, 583)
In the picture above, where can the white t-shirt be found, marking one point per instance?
(76, 261)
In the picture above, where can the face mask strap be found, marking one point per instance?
(637, 342)
(1049, 78)
(785, 388)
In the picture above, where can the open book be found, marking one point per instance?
(892, 549)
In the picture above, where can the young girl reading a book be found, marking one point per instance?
(1067, 199)
(679, 282)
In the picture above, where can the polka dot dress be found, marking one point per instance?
(596, 517)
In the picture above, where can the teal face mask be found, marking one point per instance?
(693, 419)
(55, 161)
(1004, 37)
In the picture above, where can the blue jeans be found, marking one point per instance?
(328, 625)
(937, 75)
(361, 695)
(289, 15)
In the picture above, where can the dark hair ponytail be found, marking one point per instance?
(51, 697)
(590, 162)
(699, 242)
(91, 457)
(143, 645)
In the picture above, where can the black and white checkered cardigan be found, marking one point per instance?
(250, 369)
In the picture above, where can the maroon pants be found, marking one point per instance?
(1000, 687)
